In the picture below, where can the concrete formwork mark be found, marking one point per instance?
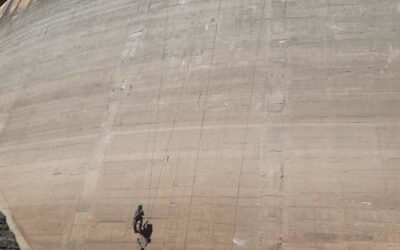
(79, 229)
(203, 119)
(238, 242)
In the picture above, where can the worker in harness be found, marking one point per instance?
(138, 219)
(145, 232)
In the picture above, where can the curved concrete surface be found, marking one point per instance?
(238, 124)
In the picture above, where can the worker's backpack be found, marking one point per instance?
(147, 232)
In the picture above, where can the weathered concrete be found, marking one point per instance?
(239, 124)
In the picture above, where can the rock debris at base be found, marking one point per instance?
(7, 238)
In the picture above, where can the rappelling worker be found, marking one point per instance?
(145, 232)
(138, 219)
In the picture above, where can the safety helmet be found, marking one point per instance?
(140, 206)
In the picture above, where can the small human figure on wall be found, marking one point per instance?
(138, 219)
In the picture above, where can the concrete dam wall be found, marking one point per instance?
(238, 124)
